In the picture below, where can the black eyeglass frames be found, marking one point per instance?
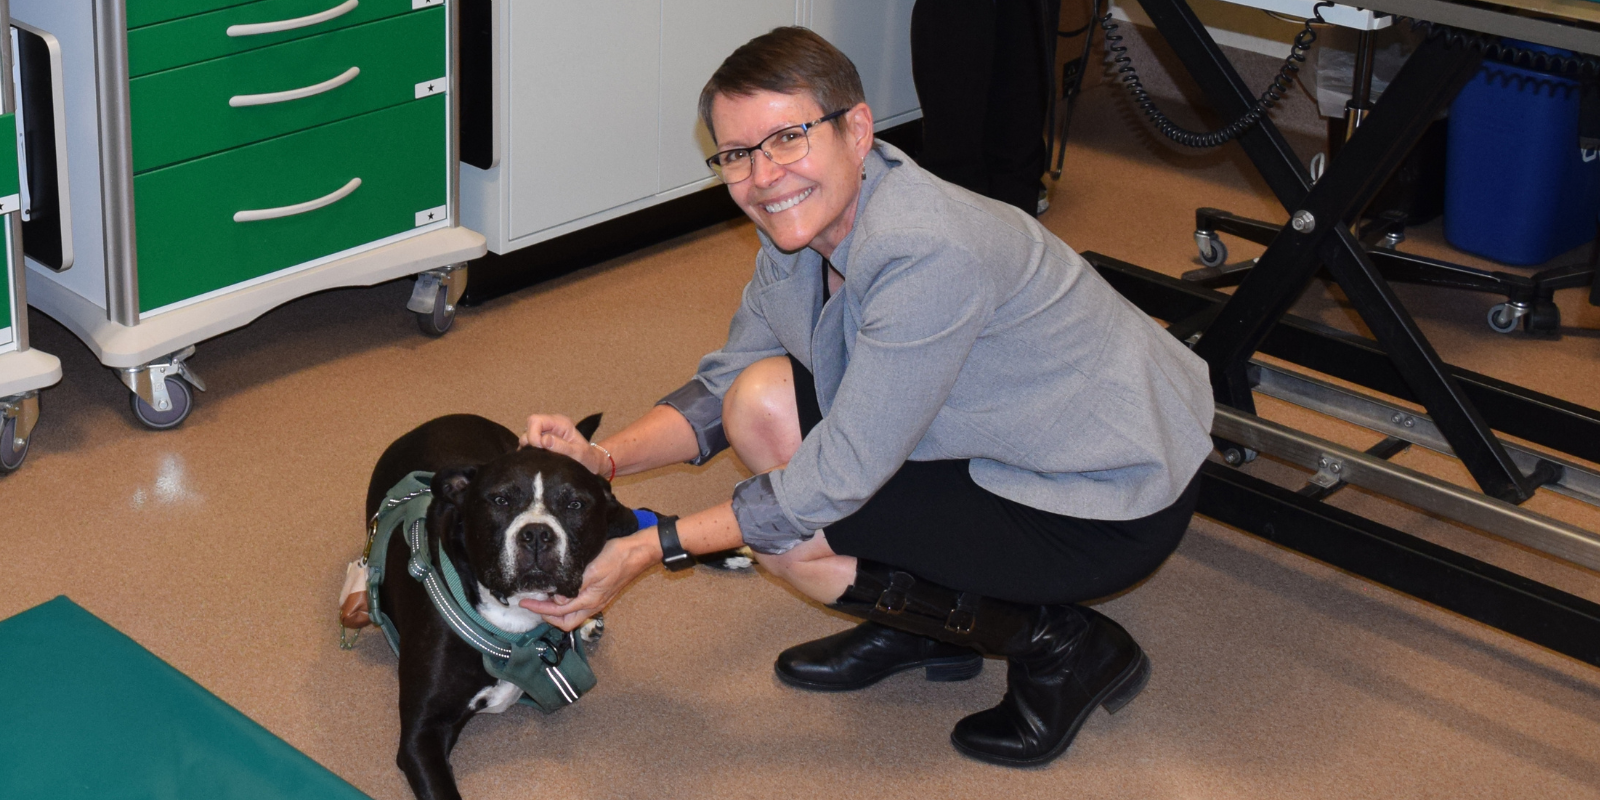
(782, 147)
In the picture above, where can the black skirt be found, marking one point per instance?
(932, 520)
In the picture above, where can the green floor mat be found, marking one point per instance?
(85, 712)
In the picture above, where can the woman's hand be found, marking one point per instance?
(621, 561)
(558, 434)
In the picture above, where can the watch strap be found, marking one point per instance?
(673, 556)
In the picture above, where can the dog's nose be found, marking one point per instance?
(537, 536)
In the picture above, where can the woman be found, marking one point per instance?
(958, 430)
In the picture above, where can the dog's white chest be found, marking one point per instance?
(509, 617)
(496, 699)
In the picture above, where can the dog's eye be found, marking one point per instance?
(576, 505)
(500, 500)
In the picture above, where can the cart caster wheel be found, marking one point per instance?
(1545, 318)
(12, 454)
(1213, 253)
(182, 404)
(1503, 317)
(443, 316)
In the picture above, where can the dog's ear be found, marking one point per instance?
(620, 520)
(588, 425)
(450, 485)
(444, 515)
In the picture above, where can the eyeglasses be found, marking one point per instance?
(783, 147)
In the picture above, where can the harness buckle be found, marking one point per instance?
(893, 600)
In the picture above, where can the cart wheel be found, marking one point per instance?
(1544, 318)
(438, 321)
(11, 454)
(1504, 316)
(182, 404)
(1213, 253)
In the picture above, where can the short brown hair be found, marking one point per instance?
(788, 61)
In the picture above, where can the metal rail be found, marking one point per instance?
(1430, 494)
(1577, 480)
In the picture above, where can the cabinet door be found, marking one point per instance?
(696, 35)
(582, 84)
(877, 37)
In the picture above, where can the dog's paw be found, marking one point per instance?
(738, 560)
(590, 632)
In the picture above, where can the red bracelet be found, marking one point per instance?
(609, 459)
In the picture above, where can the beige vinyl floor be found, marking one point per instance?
(221, 547)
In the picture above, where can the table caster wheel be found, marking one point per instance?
(13, 451)
(1545, 318)
(1213, 253)
(1503, 317)
(438, 321)
(182, 404)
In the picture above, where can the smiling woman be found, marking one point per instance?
(958, 430)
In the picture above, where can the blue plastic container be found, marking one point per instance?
(1517, 187)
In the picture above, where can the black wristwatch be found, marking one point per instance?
(673, 556)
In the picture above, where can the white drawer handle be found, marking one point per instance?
(301, 208)
(239, 101)
(290, 24)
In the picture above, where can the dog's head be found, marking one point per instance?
(528, 522)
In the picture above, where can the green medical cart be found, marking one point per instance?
(23, 370)
(217, 158)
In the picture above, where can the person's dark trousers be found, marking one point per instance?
(982, 72)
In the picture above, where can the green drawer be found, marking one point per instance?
(184, 113)
(5, 276)
(192, 40)
(189, 243)
(149, 12)
(10, 176)
(10, 184)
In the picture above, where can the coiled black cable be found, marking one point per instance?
(1269, 98)
(1582, 67)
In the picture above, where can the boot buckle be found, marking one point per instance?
(964, 616)
(893, 599)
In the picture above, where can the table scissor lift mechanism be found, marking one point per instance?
(1462, 408)
(1529, 299)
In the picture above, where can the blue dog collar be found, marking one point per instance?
(646, 518)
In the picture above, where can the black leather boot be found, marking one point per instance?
(1063, 661)
(1071, 660)
(868, 653)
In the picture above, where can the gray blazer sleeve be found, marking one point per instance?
(750, 339)
(924, 307)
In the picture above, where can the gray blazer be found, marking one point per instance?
(964, 330)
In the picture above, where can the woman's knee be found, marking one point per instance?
(759, 415)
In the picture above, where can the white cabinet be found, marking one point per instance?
(583, 108)
(695, 36)
(876, 35)
(595, 100)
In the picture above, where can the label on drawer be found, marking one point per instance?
(416, 4)
(10, 203)
(432, 215)
(432, 87)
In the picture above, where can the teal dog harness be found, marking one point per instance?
(547, 663)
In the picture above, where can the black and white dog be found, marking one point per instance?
(516, 523)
